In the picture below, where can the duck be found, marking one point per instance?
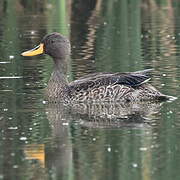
(95, 87)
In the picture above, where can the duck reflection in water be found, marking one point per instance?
(103, 115)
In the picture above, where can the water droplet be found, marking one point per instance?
(134, 165)
(23, 138)
(44, 102)
(15, 166)
(12, 154)
(143, 148)
(13, 128)
(33, 32)
(11, 57)
(152, 146)
(65, 124)
(169, 112)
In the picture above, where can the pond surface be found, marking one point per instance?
(94, 141)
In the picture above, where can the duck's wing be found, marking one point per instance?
(96, 80)
(102, 74)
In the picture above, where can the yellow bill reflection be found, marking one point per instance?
(35, 152)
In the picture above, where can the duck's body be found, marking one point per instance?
(110, 87)
(94, 87)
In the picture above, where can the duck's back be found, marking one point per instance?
(114, 87)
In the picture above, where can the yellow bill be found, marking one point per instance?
(35, 51)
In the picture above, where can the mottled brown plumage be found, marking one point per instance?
(132, 86)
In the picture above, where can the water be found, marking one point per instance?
(95, 141)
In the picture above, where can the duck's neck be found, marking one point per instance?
(58, 83)
(60, 66)
(59, 76)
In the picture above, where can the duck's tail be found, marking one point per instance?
(161, 97)
(166, 98)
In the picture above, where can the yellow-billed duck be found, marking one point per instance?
(129, 86)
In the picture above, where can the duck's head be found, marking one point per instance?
(55, 45)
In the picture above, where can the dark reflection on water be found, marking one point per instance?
(85, 135)
(89, 141)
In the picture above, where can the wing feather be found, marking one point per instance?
(95, 80)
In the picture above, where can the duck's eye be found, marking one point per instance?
(52, 41)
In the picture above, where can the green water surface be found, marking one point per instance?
(95, 141)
